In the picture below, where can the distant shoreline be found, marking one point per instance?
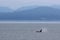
(29, 21)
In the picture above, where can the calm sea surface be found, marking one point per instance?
(27, 31)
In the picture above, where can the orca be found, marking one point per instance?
(39, 31)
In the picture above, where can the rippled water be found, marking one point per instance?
(27, 31)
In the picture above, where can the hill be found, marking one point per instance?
(39, 13)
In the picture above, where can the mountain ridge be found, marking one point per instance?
(39, 13)
(5, 9)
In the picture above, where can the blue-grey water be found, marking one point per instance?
(27, 31)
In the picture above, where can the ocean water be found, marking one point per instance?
(27, 31)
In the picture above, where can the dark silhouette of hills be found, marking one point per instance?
(40, 13)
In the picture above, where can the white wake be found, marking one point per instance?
(44, 29)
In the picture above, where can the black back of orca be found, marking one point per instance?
(41, 30)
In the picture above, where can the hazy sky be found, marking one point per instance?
(19, 3)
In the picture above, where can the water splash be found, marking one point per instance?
(44, 29)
